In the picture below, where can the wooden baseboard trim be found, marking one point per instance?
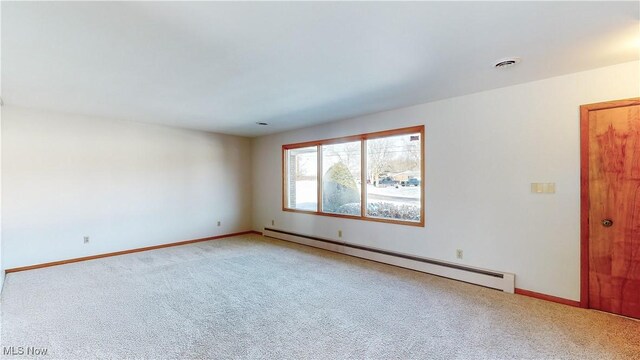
(546, 297)
(123, 252)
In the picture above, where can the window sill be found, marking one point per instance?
(356, 217)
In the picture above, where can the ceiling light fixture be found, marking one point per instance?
(506, 62)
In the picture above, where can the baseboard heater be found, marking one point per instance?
(488, 278)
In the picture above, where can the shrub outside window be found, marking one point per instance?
(374, 177)
(341, 174)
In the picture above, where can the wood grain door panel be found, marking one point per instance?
(614, 193)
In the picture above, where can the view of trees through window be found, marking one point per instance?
(394, 185)
(341, 178)
(386, 177)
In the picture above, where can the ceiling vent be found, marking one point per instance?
(506, 62)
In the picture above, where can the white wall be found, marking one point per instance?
(1, 264)
(124, 184)
(482, 152)
(1, 267)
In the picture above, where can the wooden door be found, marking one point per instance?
(611, 207)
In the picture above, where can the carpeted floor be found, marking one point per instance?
(257, 298)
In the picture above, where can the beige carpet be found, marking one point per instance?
(251, 297)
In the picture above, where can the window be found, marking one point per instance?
(393, 166)
(341, 178)
(302, 174)
(374, 177)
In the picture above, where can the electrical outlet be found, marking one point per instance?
(273, 222)
(459, 253)
(339, 233)
(219, 223)
(86, 239)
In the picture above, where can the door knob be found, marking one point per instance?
(607, 222)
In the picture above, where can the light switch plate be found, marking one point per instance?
(543, 188)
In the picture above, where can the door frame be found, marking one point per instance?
(584, 188)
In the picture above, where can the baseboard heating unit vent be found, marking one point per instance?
(488, 278)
